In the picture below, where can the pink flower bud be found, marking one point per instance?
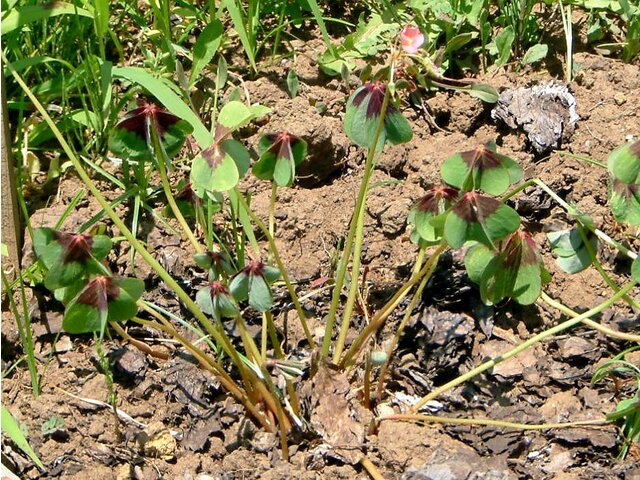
(411, 39)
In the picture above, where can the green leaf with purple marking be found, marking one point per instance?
(104, 299)
(131, 137)
(426, 214)
(254, 283)
(480, 218)
(364, 108)
(219, 167)
(216, 300)
(514, 271)
(481, 169)
(280, 154)
(69, 256)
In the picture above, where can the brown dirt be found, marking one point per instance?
(195, 431)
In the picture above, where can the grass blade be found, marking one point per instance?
(11, 427)
(238, 24)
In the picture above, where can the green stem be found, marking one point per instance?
(382, 314)
(564, 153)
(572, 211)
(590, 323)
(598, 266)
(160, 155)
(283, 270)
(523, 346)
(359, 211)
(407, 315)
(492, 423)
(119, 224)
(24, 329)
(355, 273)
(272, 208)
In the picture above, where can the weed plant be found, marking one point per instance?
(470, 210)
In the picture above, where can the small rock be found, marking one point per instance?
(559, 459)
(560, 406)
(156, 441)
(619, 98)
(264, 441)
(577, 347)
(130, 363)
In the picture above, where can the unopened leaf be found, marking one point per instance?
(280, 153)
(292, 83)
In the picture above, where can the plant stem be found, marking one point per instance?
(283, 270)
(143, 347)
(119, 224)
(272, 208)
(24, 328)
(523, 346)
(382, 314)
(160, 155)
(371, 469)
(355, 273)
(564, 153)
(408, 417)
(359, 211)
(407, 315)
(590, 323)
(598, 266)
(571, 211)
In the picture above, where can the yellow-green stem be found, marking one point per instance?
(371, 469)
(160, 154)
(381, 316)
(283, 270)
(358, 212)
(272, 208)
(214, 367)
(355, 275)
(407, 315)
(523, 346)
(408, 417)
(588, 322)
(598, 266)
